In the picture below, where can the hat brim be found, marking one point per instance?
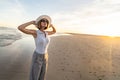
(43, 16)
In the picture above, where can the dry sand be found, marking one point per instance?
(71, 57)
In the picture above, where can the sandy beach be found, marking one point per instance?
(71, 57)
(84, 57)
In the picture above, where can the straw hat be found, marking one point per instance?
(43, 16)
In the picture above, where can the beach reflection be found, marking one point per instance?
(15, 59)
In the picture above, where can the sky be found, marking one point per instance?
(99, 17)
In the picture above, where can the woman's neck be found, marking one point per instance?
(42, 30)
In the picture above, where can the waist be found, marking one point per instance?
(44, 56)
(40, 53)
(41, 50)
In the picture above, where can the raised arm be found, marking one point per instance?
(53, 30)
(23, 29)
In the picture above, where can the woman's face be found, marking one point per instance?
(43, 23)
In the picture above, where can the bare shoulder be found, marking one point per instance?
(31, 32)
(34, 33)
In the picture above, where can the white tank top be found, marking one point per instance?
(41, 42)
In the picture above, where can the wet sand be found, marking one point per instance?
(71, 57)
(15, 60)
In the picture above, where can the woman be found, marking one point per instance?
(40, 55)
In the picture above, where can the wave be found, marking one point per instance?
(8, 36)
